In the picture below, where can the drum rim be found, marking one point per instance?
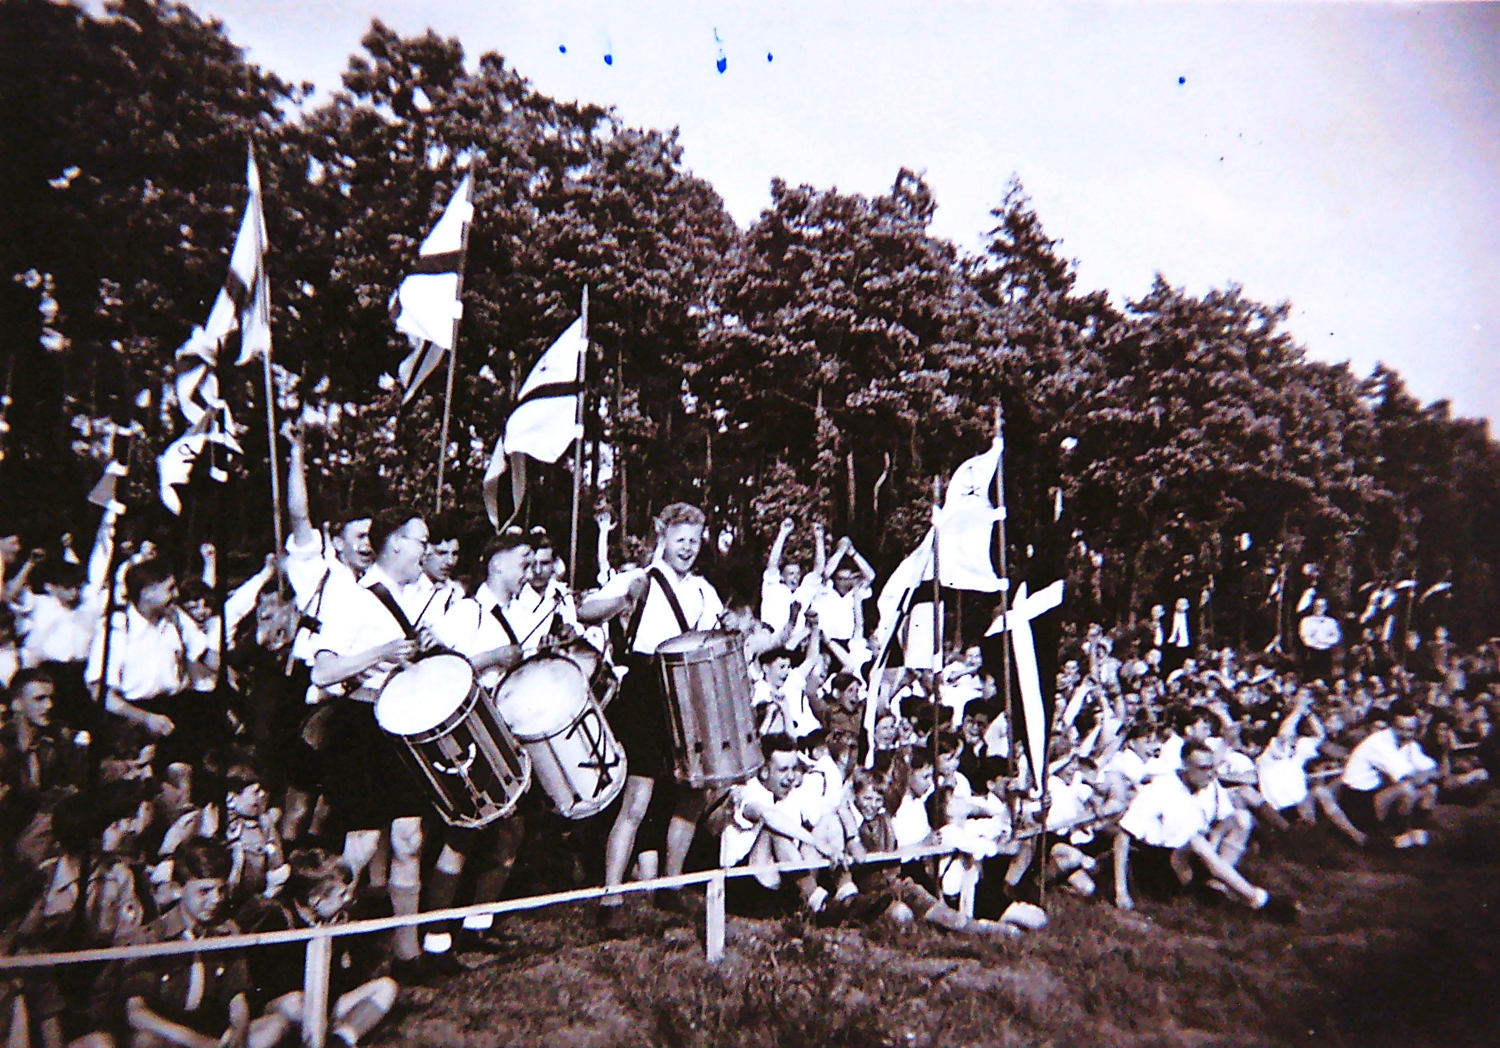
(460, 712)
(587, 694)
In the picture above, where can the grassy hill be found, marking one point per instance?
(1395, 948)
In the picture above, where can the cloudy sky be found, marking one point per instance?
(1344, 157)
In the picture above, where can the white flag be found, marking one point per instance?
(970, 511)
(426, 305)
(544, 423)
(175, 465)
(244, 302)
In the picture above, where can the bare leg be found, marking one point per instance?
(683, 826)
(360, 1010)
(1330, 806)
(406, 882)
(621, 843)
(1200, 847)
(1122, 871)
(298, 810)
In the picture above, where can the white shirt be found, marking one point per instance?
(532, 613)
(1165, 813)
(319, 581)
(440, 595)
(789, 711)
(1282, 770)
(355, 620)
(820, 790)
(910, 823)
(738, 838)
(836, 612)
(1320, 632)
(147, 660)
(777, 598)
(470, 628)
(1380, 761)
(53, 632)
(700, 602)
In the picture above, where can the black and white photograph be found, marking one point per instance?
(723, 524)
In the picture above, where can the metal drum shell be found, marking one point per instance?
(706, 682)
(475, 807)
(582, 743)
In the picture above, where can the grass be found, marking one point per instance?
(1399, 948)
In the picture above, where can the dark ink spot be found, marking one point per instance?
(562, 49)
(1182, 79)
(609, 60)
(769, 56)
(722, 63)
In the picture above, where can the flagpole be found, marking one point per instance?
(583, 368)
(458, 296)
(937, 613)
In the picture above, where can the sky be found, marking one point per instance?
(1343, 157)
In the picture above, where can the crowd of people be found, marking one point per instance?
(183, 758)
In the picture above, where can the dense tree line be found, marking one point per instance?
(828, 360)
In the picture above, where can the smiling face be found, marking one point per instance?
(404, 549)
(869, 803)
(509, 569)
(680, 546)
(1198, 770)
(352, 545)
(158, 597)
(844, 579)
(782, 772)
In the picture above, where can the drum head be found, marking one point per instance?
(686, 642)
(424, 694)
(542, 695)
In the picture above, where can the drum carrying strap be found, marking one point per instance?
(654, 575)
(505, 624)
(384, 596)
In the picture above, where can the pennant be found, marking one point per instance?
(244, 302)
(103, 494)
(966, 524)
(174, 466)
(1033, 715)
(427, 306)
(544, 423)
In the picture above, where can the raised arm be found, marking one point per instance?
(773, 560)
(820, 552)
(296, 489)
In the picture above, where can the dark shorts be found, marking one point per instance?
(1151, 873)
(365, 776)
(638, 716)
(1359, 805)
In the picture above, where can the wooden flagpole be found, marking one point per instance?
(458, 294)
(583, 369)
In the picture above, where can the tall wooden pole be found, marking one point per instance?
(458, 294)
(937, 615)
(583, 370)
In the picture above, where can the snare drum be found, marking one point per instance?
(596, 669)
(707, 685)
(574, 753)
(454, 742)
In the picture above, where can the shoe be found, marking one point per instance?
(1282, 910)
(610, 921)
(1405, 840)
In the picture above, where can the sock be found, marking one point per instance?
(846, 890)
(482, 922)
(437, 942)
(816, 900)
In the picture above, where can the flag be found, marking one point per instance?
(244, 302)
(175, 465)
(544, 422)
(103, 494)
(966, 525)
(427, 305)
(1033, 716)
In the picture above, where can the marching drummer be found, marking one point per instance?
(368, 632)
(485, 628)
(660, 602)
(543, 607)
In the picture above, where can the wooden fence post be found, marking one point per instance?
(713, 939)
(315, 991)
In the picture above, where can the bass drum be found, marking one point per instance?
(460, 750)
(707, 684)
(574, 753)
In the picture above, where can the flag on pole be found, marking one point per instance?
(544, 423)
(966, 526)
(175, 465)
(103, 494)
(1033, 718)
(244, 302)
(426, 307)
